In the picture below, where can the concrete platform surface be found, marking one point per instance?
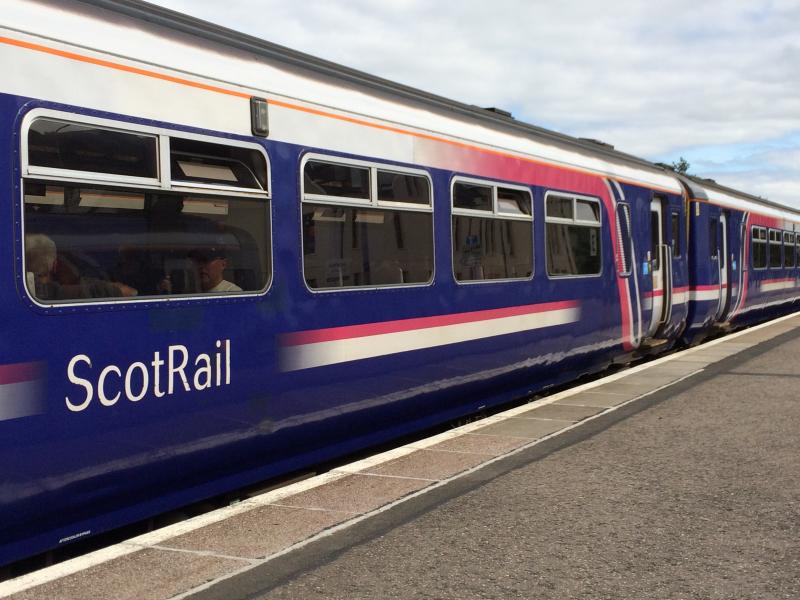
(675, 479)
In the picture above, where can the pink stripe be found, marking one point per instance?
(782, 280)
(704, 288)
(20, 372)
(315, 336)
(680, 290)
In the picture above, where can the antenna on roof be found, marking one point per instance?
(597, 142)
(499, 111)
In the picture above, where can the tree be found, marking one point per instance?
(681, 166)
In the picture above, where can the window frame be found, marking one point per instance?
(754, 241)
(163, 182)
(371, 203)
(573, 221)
(494, 214)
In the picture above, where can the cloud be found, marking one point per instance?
(654, 79)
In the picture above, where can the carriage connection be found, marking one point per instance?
(226, 261)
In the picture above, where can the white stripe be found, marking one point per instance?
(680, 298)
(318, 354)
(704, 295)
(21, 399)
(776, 285)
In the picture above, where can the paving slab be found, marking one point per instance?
(529, 428)
(259, 532)
(630, 390)
(676, 368)
(594, 399)
(356, 493)
(428, 464)
(488, 445)
(648, 379)
(561, 412)
(149, 574)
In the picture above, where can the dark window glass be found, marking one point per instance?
(655, 251)
(401, 187)
(573, 249)
(79, 147)
(513, 202)
(329, 179)
(624, 239)
(713, 242)
(471, 196)
(759, 248)
(348, 246)
(788, 253)
(775, 257)
(560, 207)
(676, 234)
(218, 164)
(485, 248)
(86, 242)
(797, 247)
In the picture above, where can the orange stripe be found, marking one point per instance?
(120, 67)
(219, 90)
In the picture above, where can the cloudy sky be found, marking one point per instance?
(717, 82)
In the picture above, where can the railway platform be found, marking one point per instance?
(679, 478)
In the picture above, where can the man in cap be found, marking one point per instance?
(211, 264)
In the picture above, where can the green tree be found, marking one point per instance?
(681, 166)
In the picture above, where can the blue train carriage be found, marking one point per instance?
(744, 258)
(246, 261)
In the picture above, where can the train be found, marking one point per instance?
(226, 261)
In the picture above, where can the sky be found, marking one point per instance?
(716, 82)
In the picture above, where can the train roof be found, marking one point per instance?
(708, 189)
(195, 46)
(229, 37)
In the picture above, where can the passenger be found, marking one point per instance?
(41, 257)
(211, 264)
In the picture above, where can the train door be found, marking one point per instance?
(724, 267)
(660, 259)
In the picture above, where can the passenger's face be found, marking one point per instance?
(210, 271)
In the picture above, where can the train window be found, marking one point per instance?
(573, 244)
(560, 207)
(497, 242)
(85, 242)
(624, 239)
(788, 254)
(588, 212)
(775, 258)
(713, 241)
(95, 238)
(759, 247)
(335, 179)
(676, 234)
(55, 146)
(797, 247)
(513, 202)
(194, 161)
(365, 237)
(472, 197)
(402, 187)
